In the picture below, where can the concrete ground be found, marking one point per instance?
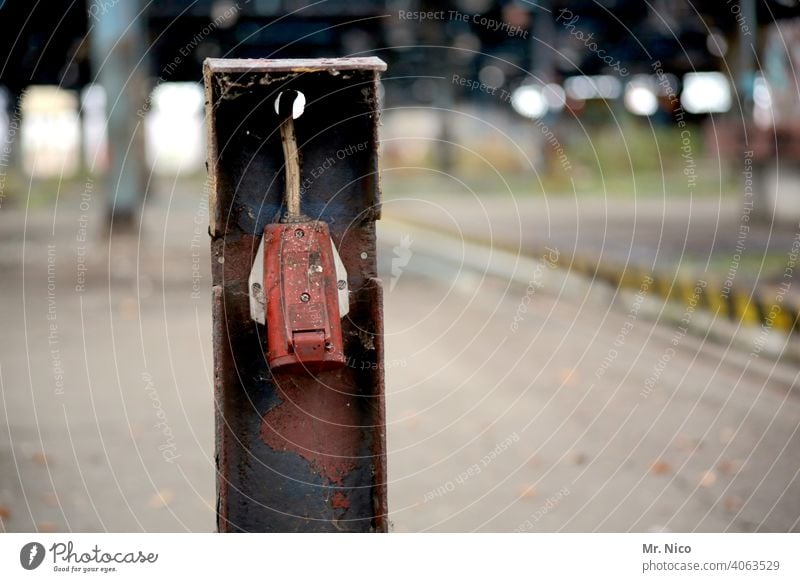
(552, 406)
(106, 390)
(587, 415)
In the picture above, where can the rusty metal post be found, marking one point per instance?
(296, 452)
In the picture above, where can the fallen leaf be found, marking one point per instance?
(568, 376)
(128, 308)
(136, 431)
(46, 527)
(50, 499)
(5, 512)
(577, 458)
(40, 458)
(161, 499)
(534, 461)
(527, 492)
(708, 479)
(730, 467)
(732, 503)
(660, 467)
(687, 444)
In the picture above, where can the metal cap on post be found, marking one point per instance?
(296, 450)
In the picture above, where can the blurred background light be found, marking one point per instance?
(95, 132)
(492, 76)
(593, 87)
(707, 92)
(640, 96)
(716, 43)
(50, 132)
(174, 128)
(555, 96)
(529, 101)
(762, 102)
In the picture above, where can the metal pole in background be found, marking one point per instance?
(296, 451)
(118, 43)
(748, 44)
(543, 42)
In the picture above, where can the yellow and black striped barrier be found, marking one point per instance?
(770, 308)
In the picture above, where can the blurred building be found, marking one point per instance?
(508, 59)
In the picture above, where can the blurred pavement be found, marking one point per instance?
(699, 236)
(537, 426)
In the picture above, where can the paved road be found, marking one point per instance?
(107, 406)
(106, 392)
(581, 417)
(706, 237)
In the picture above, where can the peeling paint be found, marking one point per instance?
(315, 420)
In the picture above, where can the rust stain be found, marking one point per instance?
(317, 420)
(221, 360)
(340, 501)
